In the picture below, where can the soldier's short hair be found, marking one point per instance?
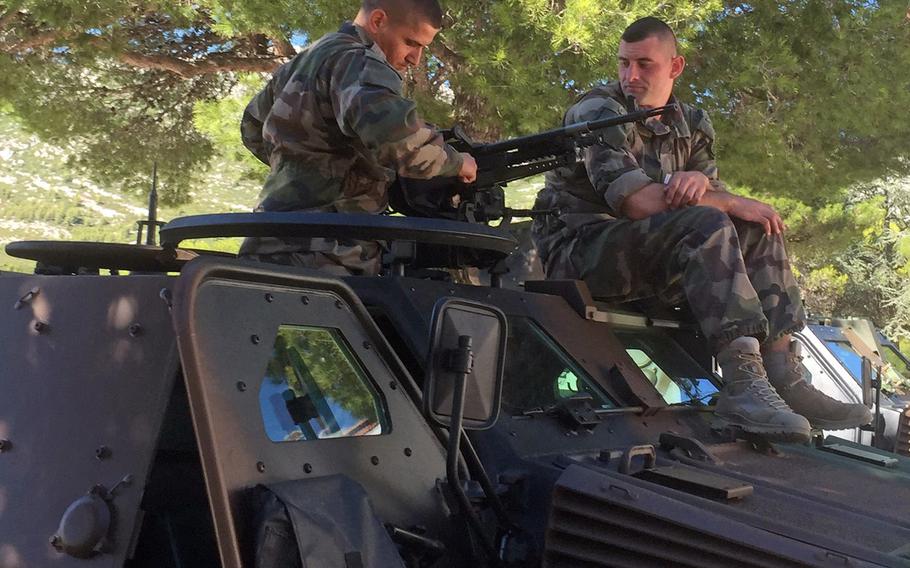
(424, 10)
(649, 26)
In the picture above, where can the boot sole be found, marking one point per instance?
(829, 425)
(770, 432)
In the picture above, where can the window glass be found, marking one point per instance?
(897, 363)
(539, 373)
(844, 353)
(315, 388)
(897, 373)
(675, 375)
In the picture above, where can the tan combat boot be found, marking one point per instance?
(821, 410)
(749, 402)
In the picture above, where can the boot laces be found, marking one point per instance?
(798, 371)
(758, 382)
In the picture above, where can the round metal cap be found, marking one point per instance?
(84, 527)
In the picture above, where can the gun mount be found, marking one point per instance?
(498, 164)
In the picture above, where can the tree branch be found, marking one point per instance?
(215, 63)
(446, 54)
(38, 40)
(8, 17)
(283, 46)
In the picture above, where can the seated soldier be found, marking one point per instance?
(335, 129)
(645, 216)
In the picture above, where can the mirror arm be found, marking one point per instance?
(486, 484)
(462, 361)
(873, 386)
(877, 437)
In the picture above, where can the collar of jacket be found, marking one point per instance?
(353, 29)
(669, 122)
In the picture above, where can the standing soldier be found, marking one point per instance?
(335, 129)
(645, 216)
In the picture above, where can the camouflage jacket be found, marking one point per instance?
(335, 129)
(631, 157)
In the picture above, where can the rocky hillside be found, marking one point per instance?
(41, 198)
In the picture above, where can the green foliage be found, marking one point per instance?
(218, 120)
(118, 121)
(801, 93)
(516, 65)
(807, 97)
(796, 87)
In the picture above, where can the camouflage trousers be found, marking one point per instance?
(736, 281)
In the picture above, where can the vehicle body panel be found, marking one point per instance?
(83, 401)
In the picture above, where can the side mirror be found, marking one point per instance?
(465, 364)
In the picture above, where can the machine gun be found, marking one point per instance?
(499, 163)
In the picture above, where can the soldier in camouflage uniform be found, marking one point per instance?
(644, 216)
(335, 130)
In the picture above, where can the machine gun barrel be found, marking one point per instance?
(576, 130)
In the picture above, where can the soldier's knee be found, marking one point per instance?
(707, 220)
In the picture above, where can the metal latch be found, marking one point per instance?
(578, 410)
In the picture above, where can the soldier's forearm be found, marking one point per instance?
(717, 199)
(647, 201)
(651, 200)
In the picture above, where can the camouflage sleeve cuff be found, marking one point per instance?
(624, 186)
(453, 163)
(717, 185)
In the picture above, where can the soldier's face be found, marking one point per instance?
(402, 42)
(647, 70)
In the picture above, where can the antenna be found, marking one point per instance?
(151, 224)
(153, 208)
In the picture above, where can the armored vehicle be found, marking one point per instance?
(171, 408)
(849, 359)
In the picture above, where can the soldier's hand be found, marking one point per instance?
(686, 188)
(757, 212)
(468, 172)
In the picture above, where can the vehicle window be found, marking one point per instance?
(539, 373)
(675, 375)
(844, 353)
(314, 388)
(900, 366)
(897, 373)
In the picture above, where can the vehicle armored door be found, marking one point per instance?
(288, 378)
(88, 364)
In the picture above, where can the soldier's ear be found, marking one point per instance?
(378, 19)
(677, 64)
